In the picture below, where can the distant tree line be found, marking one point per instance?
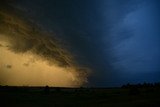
(144, 85)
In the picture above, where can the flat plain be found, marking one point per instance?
(79, 97)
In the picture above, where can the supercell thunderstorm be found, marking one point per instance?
(30, 56)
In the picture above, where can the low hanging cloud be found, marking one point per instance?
(38, 58)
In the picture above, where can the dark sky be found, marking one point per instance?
(118, 39)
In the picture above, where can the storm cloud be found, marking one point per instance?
(19, 36)
(116, 41)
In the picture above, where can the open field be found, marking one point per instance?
(79, 97)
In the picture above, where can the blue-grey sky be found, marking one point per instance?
(119, 40)
(134, 42)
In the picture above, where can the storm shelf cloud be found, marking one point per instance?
(34, 52)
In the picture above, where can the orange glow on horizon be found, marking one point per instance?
(27, 69)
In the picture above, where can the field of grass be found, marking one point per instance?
(79, 97)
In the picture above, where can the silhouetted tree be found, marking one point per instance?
(46, 89)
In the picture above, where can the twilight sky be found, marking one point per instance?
(75, 42)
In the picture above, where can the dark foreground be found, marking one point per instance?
(80, 97)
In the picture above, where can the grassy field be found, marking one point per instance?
(79, 97)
